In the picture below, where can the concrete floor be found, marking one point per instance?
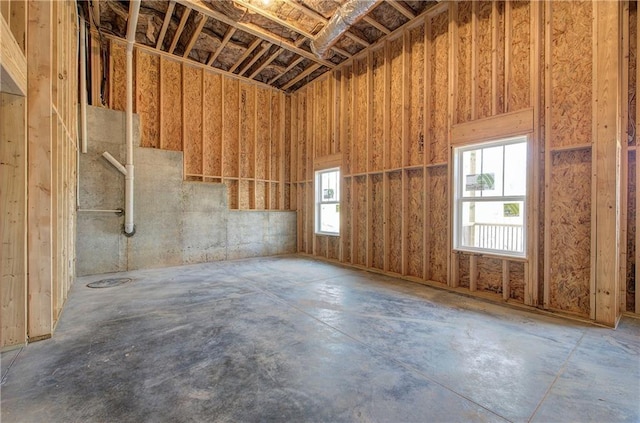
(291, 339)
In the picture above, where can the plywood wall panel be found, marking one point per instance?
(333, 248)
(439, 39)
(321, 124)
(395, 221)
(192, 90)
(118, 100)
(519, 61)
(261, 192)
(230, 133)
(571, 231)
(376, 227)
(415, 228)
(212, 124)
(415, 117)
(464, 269)
(489, 275)
(277, 156)
(360, 220)
(438, 215)
(148, 98)
(396, 101)
(263, 134)
(632, 209)
(347, 118)
(345, 208)
(377, 105)
(463, 58)
(171, 104)
(571, 73)
(484, 63)
(516, 281)
(500, 57)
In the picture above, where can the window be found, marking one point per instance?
(490, 197)
(328, 202)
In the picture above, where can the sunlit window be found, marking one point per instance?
(490, 197)
(328, 202)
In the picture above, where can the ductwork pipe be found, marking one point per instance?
(350, 13)
(129, 227)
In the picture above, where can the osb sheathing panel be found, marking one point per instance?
(439, 39)
(193, 123)
(395, 221)
(230, 127)
(171, 99)
(275, 121)
(347, 120)
(244, 194)
(360, 219)
(416, 96)
(376, 231)
(345, 210)
(263, 133)
(232, 193)
(516, 281)
(463, 270)
(463, 57)
(396, 104)
(415, 213)
(571, 73)
(321, 245)
(261, 192)
(483, 51)
(438, 232)
(118, 81)
(247, 130)
(500, 56)
(360, 136)
(376, 144)
(520, 63)
(570, 193)
(212, 124)
(333, 248)
(302, 136)
(631, 233)
(311, 136)
(321, 130)
(148, 97)
(489, 275)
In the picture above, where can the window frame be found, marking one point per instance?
(319, 202)
(460, 199)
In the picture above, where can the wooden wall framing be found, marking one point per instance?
(461, 70)
(231, 131)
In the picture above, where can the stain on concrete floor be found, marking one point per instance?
(292, 339)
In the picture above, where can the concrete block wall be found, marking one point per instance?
(177, 222)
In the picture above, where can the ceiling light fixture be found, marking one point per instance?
(266, 2)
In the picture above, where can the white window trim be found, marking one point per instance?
(319, 202)
(459, 199)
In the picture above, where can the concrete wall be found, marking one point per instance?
(177, 222)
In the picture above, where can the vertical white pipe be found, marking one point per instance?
(129, 227)
(83, 84)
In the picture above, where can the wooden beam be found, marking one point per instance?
(246, 54)
(302, 75)
(548, 99)
(402, 9)
(607, 161)
(13, 220)
(165, 24)
(195, 35)
(13, 63)
(291, 66)
(270, 59)
(377, 25)
(39, 121)
(224, 42)
(176, 36)
(202, 7)
(500, 126)
(257, 56)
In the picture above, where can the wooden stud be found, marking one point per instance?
(473, 272)
(637, 181)
(507, 54)
(624, 163)
(452, 258)
(165, 24)
(385, 153)
(494, 57)
(227, 36)
(548, 100)
(426, 216)
(195, 35)
(176, 36)
(505, 280)
(368, 152)
(406, 95)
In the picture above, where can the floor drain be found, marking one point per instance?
(108, 283)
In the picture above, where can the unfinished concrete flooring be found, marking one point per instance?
(291, 339)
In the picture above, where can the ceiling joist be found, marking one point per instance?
(246, 54)
(224, 42)
(165, 24)
(402, 9)
(176, 36)
(300, 77)
(255, 59)
(195, 35)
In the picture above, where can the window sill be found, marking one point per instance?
(494, 255)
(328, 234)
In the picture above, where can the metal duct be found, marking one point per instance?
(350, 13)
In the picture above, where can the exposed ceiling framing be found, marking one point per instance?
(265, 41)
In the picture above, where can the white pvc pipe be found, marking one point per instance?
(129, 227)
(83, 85)
(115, 163)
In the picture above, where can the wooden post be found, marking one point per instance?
(39, 121)
(607, 161)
